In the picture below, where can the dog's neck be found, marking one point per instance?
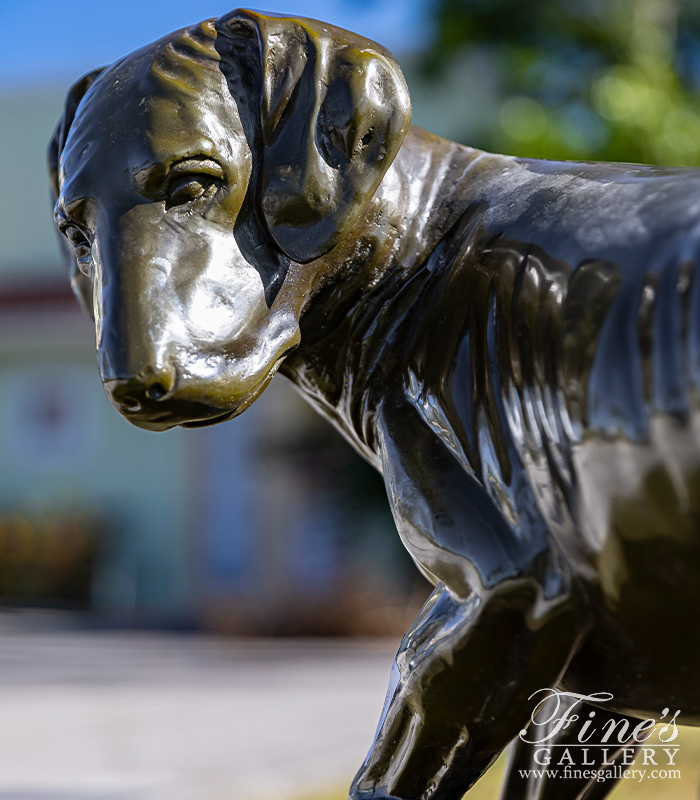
(365, 283)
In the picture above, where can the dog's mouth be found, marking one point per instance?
(205, 423)
(242, 406)
(165, 420)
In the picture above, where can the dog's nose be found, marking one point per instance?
(146, 387)
(156, 391)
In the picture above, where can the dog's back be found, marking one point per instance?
(559, 360)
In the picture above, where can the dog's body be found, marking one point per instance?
(514, 344)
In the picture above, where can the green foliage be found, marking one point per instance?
(584, 79)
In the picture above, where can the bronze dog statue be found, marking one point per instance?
(514, 344)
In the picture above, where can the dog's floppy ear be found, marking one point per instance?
(82, 286)
(334, 109)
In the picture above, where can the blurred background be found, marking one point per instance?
(269, 525)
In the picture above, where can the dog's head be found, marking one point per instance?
(198, 181)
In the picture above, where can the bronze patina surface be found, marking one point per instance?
(514, 344)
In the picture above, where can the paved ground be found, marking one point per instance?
(103, 715)
(106, 715)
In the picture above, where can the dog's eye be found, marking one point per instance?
(81, 247)
(190, 188)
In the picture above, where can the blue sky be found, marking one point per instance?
(48, 42)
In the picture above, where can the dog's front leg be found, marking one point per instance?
(460, 689)
(502, 623)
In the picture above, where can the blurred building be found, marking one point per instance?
(251, 526)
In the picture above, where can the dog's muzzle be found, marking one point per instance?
(151, 404)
